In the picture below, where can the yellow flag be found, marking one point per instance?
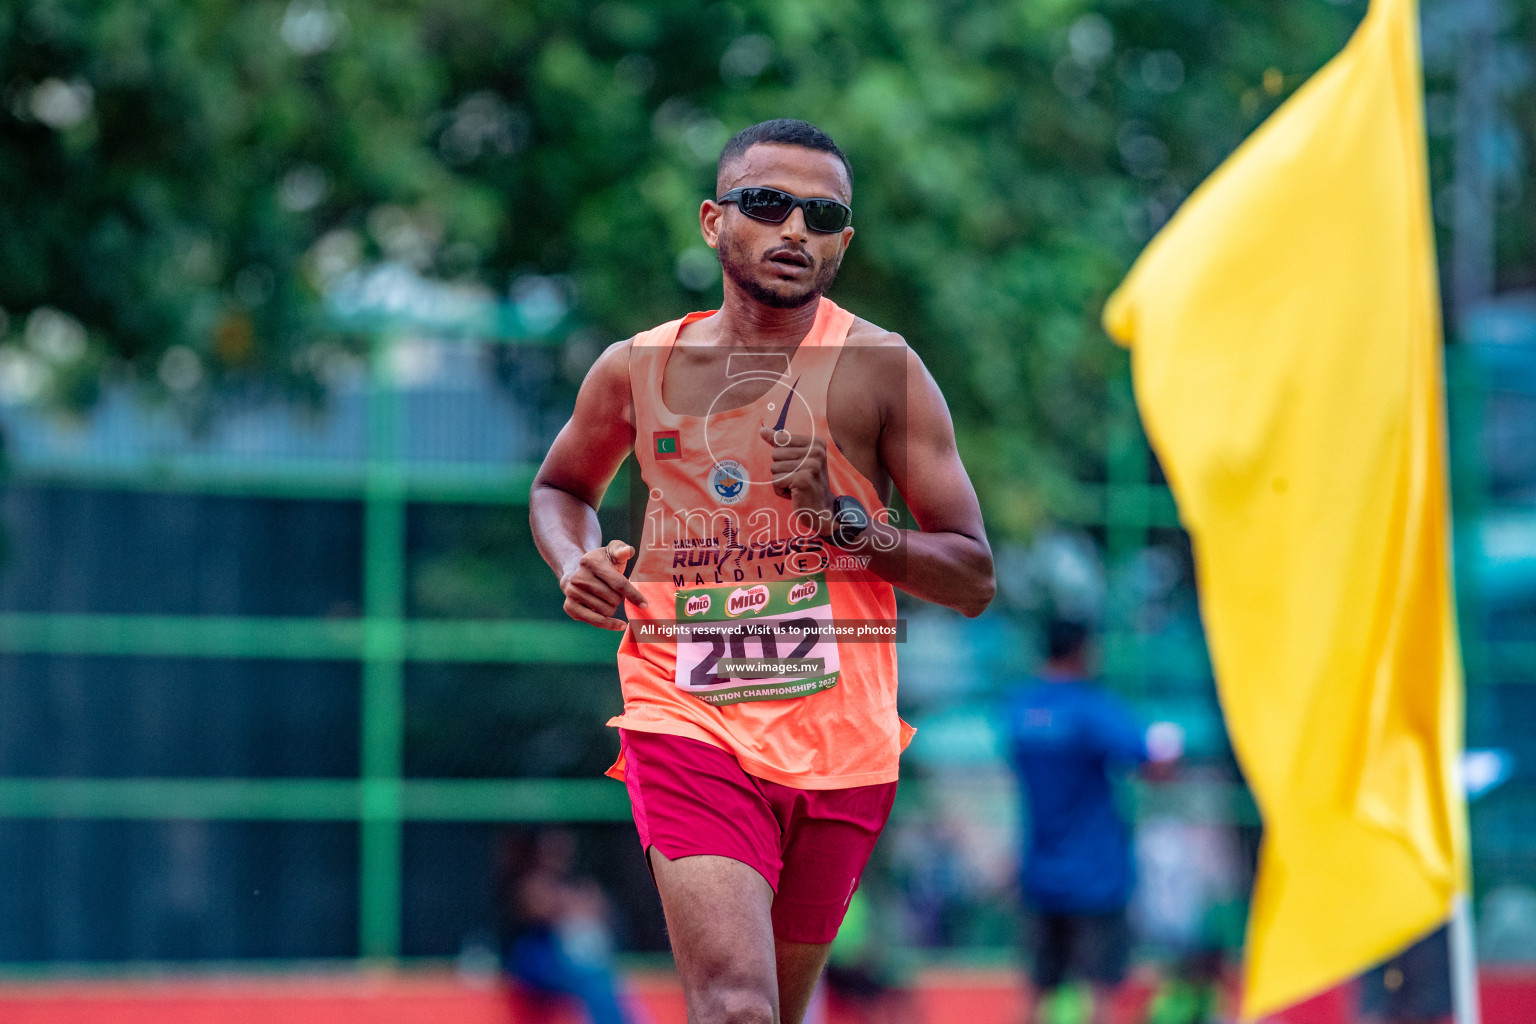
(1285, 339)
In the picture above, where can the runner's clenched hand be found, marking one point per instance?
(800, 474)
(596, 584)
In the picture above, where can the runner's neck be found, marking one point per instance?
(746, 323)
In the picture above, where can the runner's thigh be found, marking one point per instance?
(719, 918)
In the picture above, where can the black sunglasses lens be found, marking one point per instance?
(824, 215)
(772, 206)
(766, 204)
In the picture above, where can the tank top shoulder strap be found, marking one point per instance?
(831, 327)
(647, 365)
(665, 335)
(816, 359)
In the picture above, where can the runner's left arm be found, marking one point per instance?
(949, 562)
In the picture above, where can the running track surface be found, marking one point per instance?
(939, 997)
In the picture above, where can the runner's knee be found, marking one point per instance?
(734, 1004)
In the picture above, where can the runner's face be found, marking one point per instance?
(782, 265)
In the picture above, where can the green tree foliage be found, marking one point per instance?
(179, 183)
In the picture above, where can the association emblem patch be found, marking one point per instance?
(729, 481)
(668, 444)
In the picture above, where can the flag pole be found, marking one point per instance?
(1464, 995)
(1472, 279)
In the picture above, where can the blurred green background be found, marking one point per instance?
(294, 295)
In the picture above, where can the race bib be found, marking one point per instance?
(759, 641)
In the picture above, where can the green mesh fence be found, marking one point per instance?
(1129, 507)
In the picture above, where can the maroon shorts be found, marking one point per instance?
(691, 798)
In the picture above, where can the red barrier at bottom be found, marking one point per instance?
(939, 997)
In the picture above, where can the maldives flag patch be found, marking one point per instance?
(667, 446)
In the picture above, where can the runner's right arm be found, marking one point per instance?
(569, 487)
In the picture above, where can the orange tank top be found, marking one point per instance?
(719, 561)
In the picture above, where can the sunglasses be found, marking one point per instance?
(772, 207)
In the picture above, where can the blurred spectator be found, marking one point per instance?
(559, 942)
(1189, 905)
(859, 977)
(1414, 987)
(1064, 736)
(928, 868)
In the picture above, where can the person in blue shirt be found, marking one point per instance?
(1065, 737)
(560, 943)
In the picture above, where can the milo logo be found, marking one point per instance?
(746, 599)
(802, 591)
(697, 605)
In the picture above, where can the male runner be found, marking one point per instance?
(758, 792)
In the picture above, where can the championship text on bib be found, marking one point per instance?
(763, 641)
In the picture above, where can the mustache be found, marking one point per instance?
(794, 252)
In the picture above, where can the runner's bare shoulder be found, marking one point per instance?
(600, 434)
(864, 334)
(605, 392)
(877, 362)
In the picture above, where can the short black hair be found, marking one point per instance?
(784, 131)
(1064, 638)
